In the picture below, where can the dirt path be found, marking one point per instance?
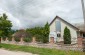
(7, 52)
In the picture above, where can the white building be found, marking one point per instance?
(57, 27)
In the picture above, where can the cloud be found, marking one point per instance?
(30, 13)
(16, 22)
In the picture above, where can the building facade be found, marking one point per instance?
(57, 27)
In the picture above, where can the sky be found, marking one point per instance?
(31, 13)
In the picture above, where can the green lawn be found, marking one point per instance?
(40, 51)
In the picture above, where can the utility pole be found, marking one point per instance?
(83, 9)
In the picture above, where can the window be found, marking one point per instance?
(58, 35)
(83, 35)
(58, 26)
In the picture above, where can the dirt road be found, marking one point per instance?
(7, 52)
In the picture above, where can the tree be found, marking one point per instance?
(67, 36)
(41, 33)
(46, 33)
(5, 26)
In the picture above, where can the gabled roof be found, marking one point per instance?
(57, 17)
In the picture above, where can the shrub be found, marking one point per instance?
(45, 39)
(10, 38)
(27, 39)
(39, 38)
(0, 46)
(4, 38)
(67, 36)
(17, 39)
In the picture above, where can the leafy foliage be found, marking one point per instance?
(17, 39)
(41, 33)
(67, 36)
(46, 33)
(39, 38)
(5, 26)
(27, 39)
(10, 38)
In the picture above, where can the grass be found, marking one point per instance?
(40, 51)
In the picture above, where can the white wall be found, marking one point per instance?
(52, 27)
(52, 31)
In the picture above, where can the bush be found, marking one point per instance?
(0, 46)
(10, 38)
(45, 39)
(27, 39)
(17, 39)
(39, 38)
(67, 36)
(4, 38)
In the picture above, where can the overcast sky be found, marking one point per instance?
(30, 13)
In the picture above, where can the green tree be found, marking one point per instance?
(5, 26)
(67, 36)
(46, 33)
(41, 33)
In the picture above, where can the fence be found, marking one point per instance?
(80, 46)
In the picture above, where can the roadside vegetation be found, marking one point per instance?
(41, 33)
(40, 51)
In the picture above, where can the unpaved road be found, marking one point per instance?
(7, 52)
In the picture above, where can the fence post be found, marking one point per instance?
(13, 39)
(6, 38)
(33, 39)
(51, 40)
(1, 39)
(79, 42)
(21, 40)
(83, 43)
